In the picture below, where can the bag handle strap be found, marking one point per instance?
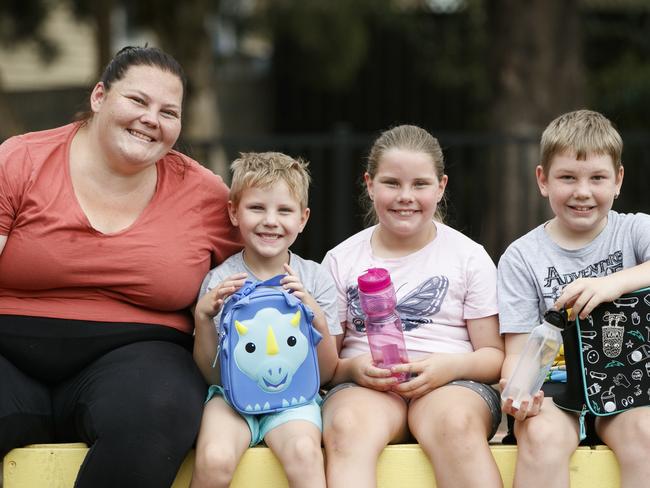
(249, 286)
(275, 281)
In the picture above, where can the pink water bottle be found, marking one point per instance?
(383, 325)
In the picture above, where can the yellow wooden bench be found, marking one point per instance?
(404, 465)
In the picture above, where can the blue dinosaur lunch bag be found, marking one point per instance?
(267, 349)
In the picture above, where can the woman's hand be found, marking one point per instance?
(429, 374)
(210, 304)
(364, 373)
(526, 408)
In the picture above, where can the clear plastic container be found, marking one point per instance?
(383, 325)
(536, 359)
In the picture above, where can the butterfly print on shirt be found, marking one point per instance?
(414, 309)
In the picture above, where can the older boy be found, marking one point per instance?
(585, 255)
(268, 202)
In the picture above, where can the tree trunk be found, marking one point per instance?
(102, 11)
(537, 74)
(185, 35)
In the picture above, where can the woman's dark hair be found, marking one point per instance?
(136, 56)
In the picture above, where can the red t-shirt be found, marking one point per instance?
(55, 264)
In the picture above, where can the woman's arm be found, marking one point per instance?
(3, 241)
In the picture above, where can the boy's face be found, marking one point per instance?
(269, 220)
(580, 194)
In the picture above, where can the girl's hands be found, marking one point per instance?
(526, 409)
(364, 373)
(430, 373)
(210, 304)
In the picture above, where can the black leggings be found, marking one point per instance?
(130, 391)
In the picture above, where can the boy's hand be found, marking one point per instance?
(526, 409)
(210, 304)
(584, 294)
(429, 374)
(365, 373)
(292, 282)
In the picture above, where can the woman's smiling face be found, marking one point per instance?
(139, 118)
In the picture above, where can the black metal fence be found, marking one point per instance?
(492, 195)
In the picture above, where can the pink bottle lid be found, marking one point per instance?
(374, 280)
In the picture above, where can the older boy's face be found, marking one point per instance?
(580, 193)
(269, 220)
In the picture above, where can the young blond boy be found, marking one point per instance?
(268, 202)
(585, 255)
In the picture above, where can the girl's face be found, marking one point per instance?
(405, 192)
(139, 118)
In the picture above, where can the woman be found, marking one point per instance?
(105, 236)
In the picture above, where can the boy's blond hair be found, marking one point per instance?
(261, 170)
(582, 133)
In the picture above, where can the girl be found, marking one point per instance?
(446, 291)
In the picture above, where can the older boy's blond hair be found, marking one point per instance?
(261, 170)
(582, 133)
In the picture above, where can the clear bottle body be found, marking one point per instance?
(534, 363)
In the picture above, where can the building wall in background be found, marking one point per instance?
(21, 68)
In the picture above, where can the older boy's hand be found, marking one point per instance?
(585, 294)
(526, 409)
(365, 373)
(210, 304)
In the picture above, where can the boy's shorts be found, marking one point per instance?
(260, 425)
(486, 392)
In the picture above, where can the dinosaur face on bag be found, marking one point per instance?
(271, 348)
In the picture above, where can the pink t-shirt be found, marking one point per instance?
(55, 264)
(438, 288)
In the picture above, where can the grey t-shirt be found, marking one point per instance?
(534, 269)
(316, 280)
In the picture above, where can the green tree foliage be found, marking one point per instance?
(330, 39)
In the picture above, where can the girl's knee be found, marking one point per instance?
(342, 433)
(344, 423)
(455, 429)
